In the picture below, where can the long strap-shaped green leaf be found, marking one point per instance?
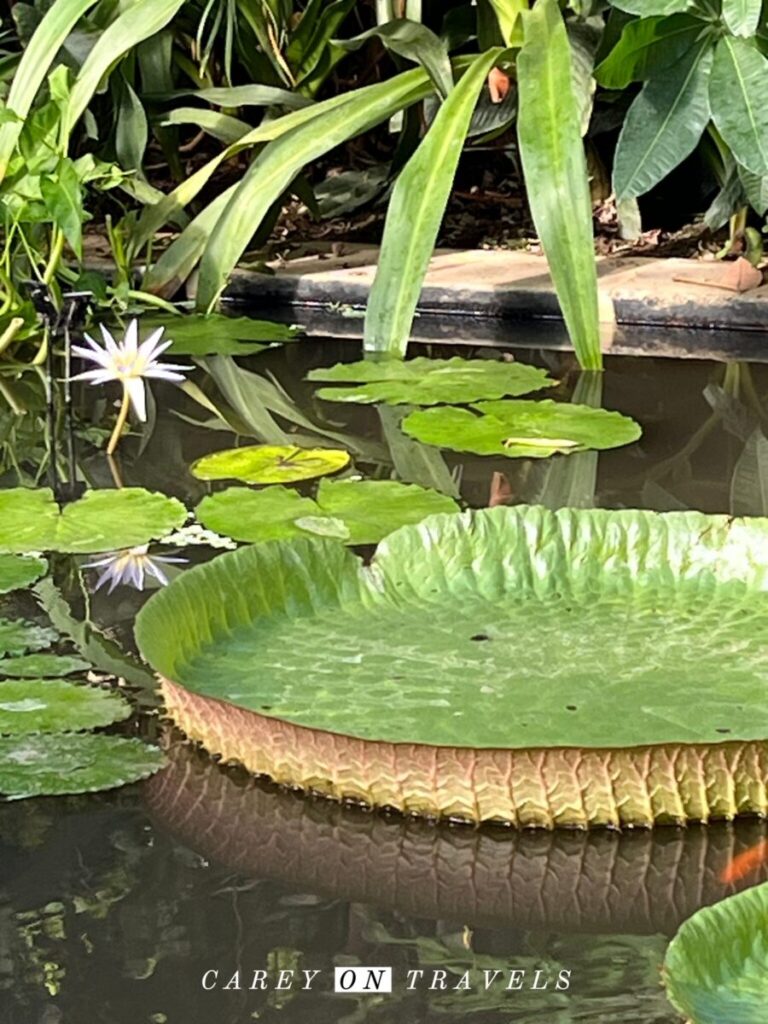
(415, 213)
(555, 171)
(276, 167)
(58, 22)
(137, 23)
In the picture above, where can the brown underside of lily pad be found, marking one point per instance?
(547, 788)
(632, 882)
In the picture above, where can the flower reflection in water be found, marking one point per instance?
(133, 567)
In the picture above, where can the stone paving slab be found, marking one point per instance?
(634, 290)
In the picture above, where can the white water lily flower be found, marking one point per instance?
(129, 362)
(131, 566)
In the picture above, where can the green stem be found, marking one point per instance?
(57, 247)
(122, 416)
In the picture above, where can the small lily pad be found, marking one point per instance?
(197, 335)
(103, 520)
(270, 464)
(17, 572)
(18, 637)
(716, 968)
(424, 381)
(59, 763)
(522, 429)
(355, 511)
(54, 705)
(31, 666)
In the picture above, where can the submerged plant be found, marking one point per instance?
(131, 567)
(130, 363)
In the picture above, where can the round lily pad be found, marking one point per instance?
(355, 511)
(270, 464)
(29, 666)
(522, 429)
(214, 334)
(424, 381)
(610, 652)
(716, 968)
(54, 705)
(17, 572)
(104, 520)
(60, 763)
(18, 637)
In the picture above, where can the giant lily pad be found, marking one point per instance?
(17, 572)
(270, 463)
(30, 520)
(355, 511)
(522, 429)
(572, 667)
(424, 381)
(52, 765)
(196, 335)
(716, 968)
(54, 705)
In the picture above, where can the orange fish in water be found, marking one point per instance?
(745, 863)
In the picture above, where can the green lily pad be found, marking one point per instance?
(522, 429)
(18, 572)
(424, 381)
(355, 511)
(504, 628)
(716, 968)
(52, 765)
(106, 520)
(54, 705)
(212, 335)
(30, 666)
(18, 637)
(270, 463)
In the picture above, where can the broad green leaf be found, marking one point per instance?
(139, 21)
(355, 511)
(224, 127)
(649, 8)
(61, 763)
(269, 464)
(62, 195)
(647, 46)
(424, 381)
(755, 187)
(131, 128)
(245, 96)
(508, 14)
(415, 213)
(18, 637)
(414, 42)
(30, 520)
(664, 123)
(738, 84)
(17, 573)
(552, 153)
(53, 705)
(716, 967)
(58, 22)
(522, 429)
(196, 335)
(486, 629)
(274, 169)
(742, 16)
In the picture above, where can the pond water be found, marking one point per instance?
(116, 907)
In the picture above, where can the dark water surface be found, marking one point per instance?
(114, 907)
